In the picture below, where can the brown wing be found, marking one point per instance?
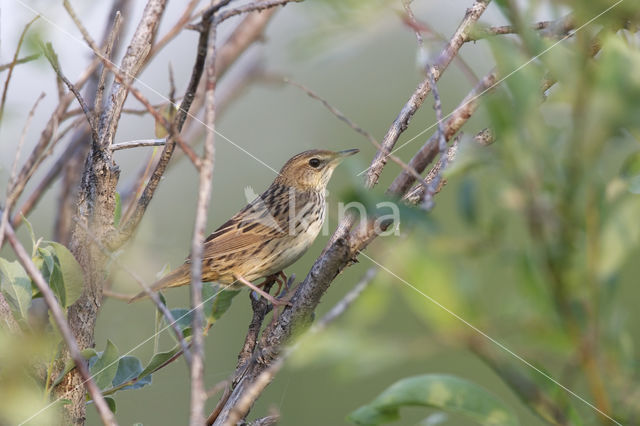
(245, 231)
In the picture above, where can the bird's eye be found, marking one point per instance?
(314, 162)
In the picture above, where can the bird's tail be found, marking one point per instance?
(177, 278)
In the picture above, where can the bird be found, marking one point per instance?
(271, 233)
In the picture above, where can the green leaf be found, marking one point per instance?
(620, 236)
(436, 391)
(130, 367)
(15, 285)
(70, 365)
(31, 234)
(157, 360)
(72, 277)
(183, 317)
(216, 301)
(111, 403)
(104, 366)
(50, 268)
(117, 214)
(630, 171)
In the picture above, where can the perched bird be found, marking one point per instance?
(271, 232)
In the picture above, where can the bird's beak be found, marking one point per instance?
(340, 155)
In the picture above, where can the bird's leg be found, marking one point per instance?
(270, 298)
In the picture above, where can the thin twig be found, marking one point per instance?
(51, 56)
(558, 27)
(152, 294)
(52, 174)
(14, 168)
(184, 19)
(131, 224)
(138, 143)
(427, 201)
(108, 50)
(198, 391)
(44, 145)
(63, 326)
(354, 126)
(13, 64)
(401, 122)
(346, 301)
(252, 7)
(456, 119)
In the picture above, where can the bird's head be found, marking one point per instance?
(311, 170)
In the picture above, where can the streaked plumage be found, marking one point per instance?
(271, 232)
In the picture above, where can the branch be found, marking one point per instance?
(138, 143)
(130, 226)
(355, 127)
(198, 391)
(457, 118)
(51, 56)
(401, 122)
(256, 6)
(344, 303)
(557, 28)
(12, 64)
(12, 177)
(260, 308)
(51, 175)
(43, 147)
(61, 322)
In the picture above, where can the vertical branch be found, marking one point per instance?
(96, 205)
(198, 391)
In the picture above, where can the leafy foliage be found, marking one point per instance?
(437, 391)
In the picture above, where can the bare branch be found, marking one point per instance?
(51, 56)
(61, 322)
(346, 301)
(456, 119)
(108, 50)
(176, 127)
(53, 172)
(417, 194)
(427, 201)
(138, 143)
(198, 391)
(256, 6)
(401, 122)
(13, 63)
(355, 127)
(12, 177)
(42, 148)
(556, 28)
(177, 27)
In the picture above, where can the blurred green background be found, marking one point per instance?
(547, 200)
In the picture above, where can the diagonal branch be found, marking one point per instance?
(256, 6)
(401, 122)
(457, 118)
(52, 57)
(61, 322)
